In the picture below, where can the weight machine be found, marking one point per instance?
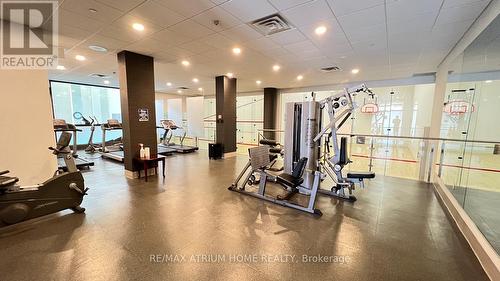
(304, 166)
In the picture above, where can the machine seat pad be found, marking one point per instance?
(7, 181)
(361, 175)
(289, 180)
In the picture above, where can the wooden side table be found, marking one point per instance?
(146, 164)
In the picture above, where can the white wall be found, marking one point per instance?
(26, 125)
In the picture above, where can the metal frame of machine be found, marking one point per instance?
(169, 126)
(117, 153)
(303, 140)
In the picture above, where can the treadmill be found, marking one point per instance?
(163, 146)
(114, 152)
(169, 126)
(60, 125)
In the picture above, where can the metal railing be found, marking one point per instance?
(416, 157)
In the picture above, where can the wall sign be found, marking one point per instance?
(143, 114)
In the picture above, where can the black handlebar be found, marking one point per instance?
(4, 172)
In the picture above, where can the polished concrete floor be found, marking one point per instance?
(134, 230)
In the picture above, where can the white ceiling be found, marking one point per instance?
(385, 39)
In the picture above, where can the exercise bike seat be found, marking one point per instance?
(361, 175)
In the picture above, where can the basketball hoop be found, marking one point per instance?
(458, 107)
(369, 108)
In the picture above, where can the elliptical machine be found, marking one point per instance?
(65, 190)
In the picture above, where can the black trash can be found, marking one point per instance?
(215, 150)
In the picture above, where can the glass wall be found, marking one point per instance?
(471, 168)
(100, 103)
(249, 114)
(395, 111)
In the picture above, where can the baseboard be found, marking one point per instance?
(135, 174)
(487, 256)
(230, 154)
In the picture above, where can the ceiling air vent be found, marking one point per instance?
(99, 75)
(330, 69)
(183, 88)
(271, 24)
(424, 74)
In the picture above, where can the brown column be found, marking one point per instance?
(137, 92)
(270, 104)
(225, 100)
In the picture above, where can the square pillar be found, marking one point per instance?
(225, 108)
(270, 108)
(137, 94)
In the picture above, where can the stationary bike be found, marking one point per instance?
(65, 190)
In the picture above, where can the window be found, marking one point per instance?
(100, 103)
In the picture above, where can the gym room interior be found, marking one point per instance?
(250, 140)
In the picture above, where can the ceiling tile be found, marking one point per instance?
(366, 33)
(122, 30)
(74, 32)
(68, 18)
(345, 7)
(421, 23)
(287, 4)
(248, 11)
(187, 8)
(333, 34)
(460, 13)
(226, 20)
(218, 41)
(106, 42)
(262, 44)
(104, 13)
(363, 18)
(146, 46)
(241, 33)
(191, 29)
(310, 13)
(158, 14)
(171, 38)
(122, 5)
(400, 10)
(454, 3)
(196, 47)
(287, 37)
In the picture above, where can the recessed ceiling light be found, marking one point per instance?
(185, 63)
(137, 26)
(258, 82)
(488, 81)
(300, 77)
(355, 71)
(276, 67)
(200, 89)
(98, 48)
(60, 67)
(106, 82)
(236, 51)
(320, 30)
(92, 10)
(80, 57)
(229, 74)
(179, 91)
(195, 80)
(169, 84)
